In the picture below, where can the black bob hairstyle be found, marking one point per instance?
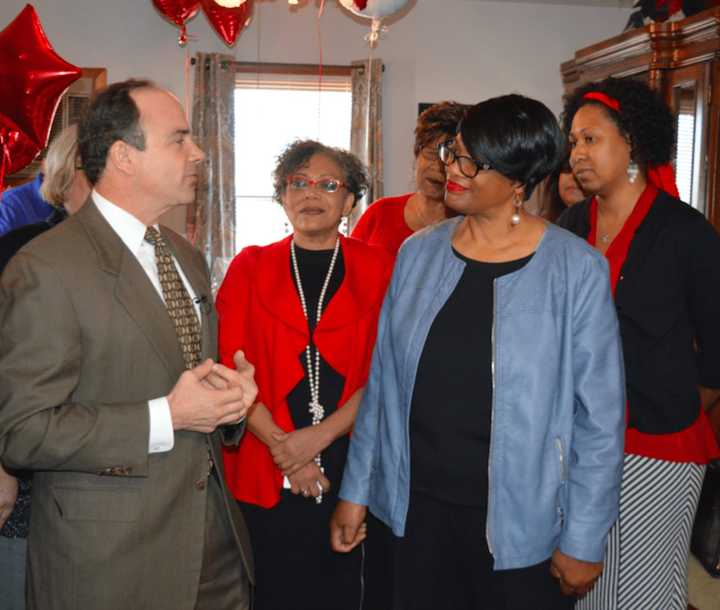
(518, 136)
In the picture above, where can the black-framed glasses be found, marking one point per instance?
(468, 166)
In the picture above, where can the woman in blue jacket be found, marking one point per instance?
(490, 437)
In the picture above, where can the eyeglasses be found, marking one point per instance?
(301, 183)
(468, 166)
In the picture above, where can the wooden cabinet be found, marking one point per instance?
(681, 59)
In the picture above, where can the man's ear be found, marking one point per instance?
(121, 157)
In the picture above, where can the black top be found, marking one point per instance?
(17, 525)
(313, 266)
(12, 241)
(451, 409)
(668, 303)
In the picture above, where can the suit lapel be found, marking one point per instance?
(133, 289)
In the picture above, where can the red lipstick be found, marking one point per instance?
(454, 187)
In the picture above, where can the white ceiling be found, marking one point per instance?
(615, 3)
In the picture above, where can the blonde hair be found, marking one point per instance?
(59, 166)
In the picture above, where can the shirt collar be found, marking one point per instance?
(130, 230)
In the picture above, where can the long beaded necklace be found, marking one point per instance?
(313, 372)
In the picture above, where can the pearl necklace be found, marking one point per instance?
(313, 373)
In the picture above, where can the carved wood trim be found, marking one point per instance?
(653, 48)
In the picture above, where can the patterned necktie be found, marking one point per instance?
(177, 300)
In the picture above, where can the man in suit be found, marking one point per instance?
(108, 390)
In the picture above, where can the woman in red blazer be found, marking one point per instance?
(311, 367)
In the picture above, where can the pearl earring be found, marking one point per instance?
(632, 171)
(515, 218)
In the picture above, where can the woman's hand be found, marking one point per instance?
(293, 450)
(347, 526)
(8, 495)
(309, 481)
(576, 577)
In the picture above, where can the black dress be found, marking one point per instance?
(295, 566)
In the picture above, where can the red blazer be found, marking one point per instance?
(260, 313)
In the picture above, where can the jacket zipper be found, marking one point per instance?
(561, 454)
(492, 422)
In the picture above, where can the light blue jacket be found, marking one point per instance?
(558, 407)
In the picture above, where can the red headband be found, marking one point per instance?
(660, 176)
(604, 99)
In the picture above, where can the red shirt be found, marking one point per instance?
(696, 443)
(260, 313)
(383, 224)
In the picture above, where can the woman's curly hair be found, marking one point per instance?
(298, 154)
(644, 118)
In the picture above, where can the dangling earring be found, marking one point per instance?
(515, 218)
(632, 171)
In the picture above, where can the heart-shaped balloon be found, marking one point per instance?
(33, 78)
(228, 22)
(178, 12)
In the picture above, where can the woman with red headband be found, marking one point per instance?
(664, 262)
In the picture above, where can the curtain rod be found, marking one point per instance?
(284, 68)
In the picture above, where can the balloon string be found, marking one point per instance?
(321, 10)
(186, 84)
(368, 114)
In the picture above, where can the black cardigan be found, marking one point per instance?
(668, 304)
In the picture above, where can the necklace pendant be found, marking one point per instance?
(605, 238)
(317, 411)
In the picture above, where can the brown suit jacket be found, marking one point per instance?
(85, 342)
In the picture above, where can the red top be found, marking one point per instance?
(383, 224)
(260, 313)
(696, 443)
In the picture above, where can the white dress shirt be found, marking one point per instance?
(132, 233)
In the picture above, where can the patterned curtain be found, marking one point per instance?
(366, 134)
(211, 219)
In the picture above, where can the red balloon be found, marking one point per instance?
(33, 78)
(178, 12)
(227, 22)
(16, 149)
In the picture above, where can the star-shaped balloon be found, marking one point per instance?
(33, 78)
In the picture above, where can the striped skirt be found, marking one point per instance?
(647, 548)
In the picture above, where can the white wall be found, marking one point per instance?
(439, 49)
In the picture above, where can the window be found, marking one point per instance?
(272, 109)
